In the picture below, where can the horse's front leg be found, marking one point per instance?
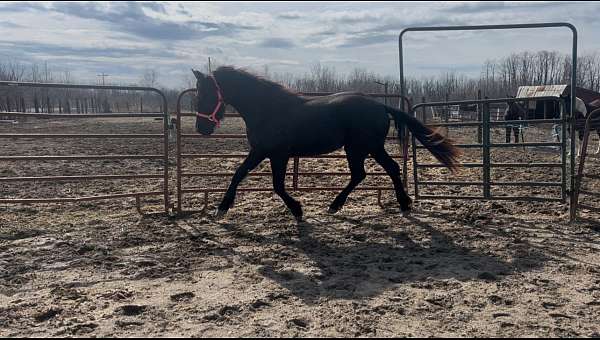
(598, 149)
(252, 161)
(279, 167)
(356, 163)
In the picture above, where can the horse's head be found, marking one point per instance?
(210, 107)
(515, 110)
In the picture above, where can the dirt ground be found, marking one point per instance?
(452, 268)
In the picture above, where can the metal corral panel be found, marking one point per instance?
(541, 91)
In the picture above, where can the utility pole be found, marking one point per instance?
(209, 66)
(385, 86)
(103, 75)
(105, 104)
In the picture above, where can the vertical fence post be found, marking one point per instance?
(423, 111)
(573, 159)
(167, 193)
(563, 148)
(446, 111)
(404, 135)
(414, 157)
(486, 150)
(479, 117)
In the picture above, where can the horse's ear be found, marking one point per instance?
(199, 75)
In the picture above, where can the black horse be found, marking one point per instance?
(281, 124)
(515, 111)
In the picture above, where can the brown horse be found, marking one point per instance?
(516, 112)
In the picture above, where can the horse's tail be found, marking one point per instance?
(440, 146)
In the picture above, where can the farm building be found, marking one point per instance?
(543, 109)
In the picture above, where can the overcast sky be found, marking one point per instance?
(124, 38)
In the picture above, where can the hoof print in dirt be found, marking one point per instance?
(182, 297)
(498, 301)
(82, 329)
(47, 315)
(125, 324)
(560, 316)
(223, 313)
(118, 295)
(299, 323)
(131, 310)
(86, 248)
(258, 304)
(229, 310)
(550, 305)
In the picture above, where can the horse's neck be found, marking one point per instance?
(256, 106)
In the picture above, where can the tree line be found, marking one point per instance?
(498, 78)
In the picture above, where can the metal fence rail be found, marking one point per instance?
(164, 177)
(573, 80)
(592, 122)
(486, 164)
(295, 173)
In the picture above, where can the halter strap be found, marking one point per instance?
(213, 116)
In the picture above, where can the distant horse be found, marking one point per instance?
(515, 111)
(581, 113)
(281, 124)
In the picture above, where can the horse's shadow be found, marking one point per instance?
(360, 268)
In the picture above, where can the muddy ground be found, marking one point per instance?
(452, 268)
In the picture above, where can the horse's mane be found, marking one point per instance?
(254, 81)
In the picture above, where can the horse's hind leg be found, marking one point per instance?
(393, 170)
(598, 149)
(278, 167)
(356, 163)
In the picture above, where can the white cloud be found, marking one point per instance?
(171, 37)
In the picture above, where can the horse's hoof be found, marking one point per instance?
(332, 210)
(220, 213)
(405, 211)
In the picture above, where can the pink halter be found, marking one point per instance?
(213, 116)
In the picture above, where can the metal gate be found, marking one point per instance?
(296, 174)
(486, 165)
(591, 122)
(568, 121)
(163, 137)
